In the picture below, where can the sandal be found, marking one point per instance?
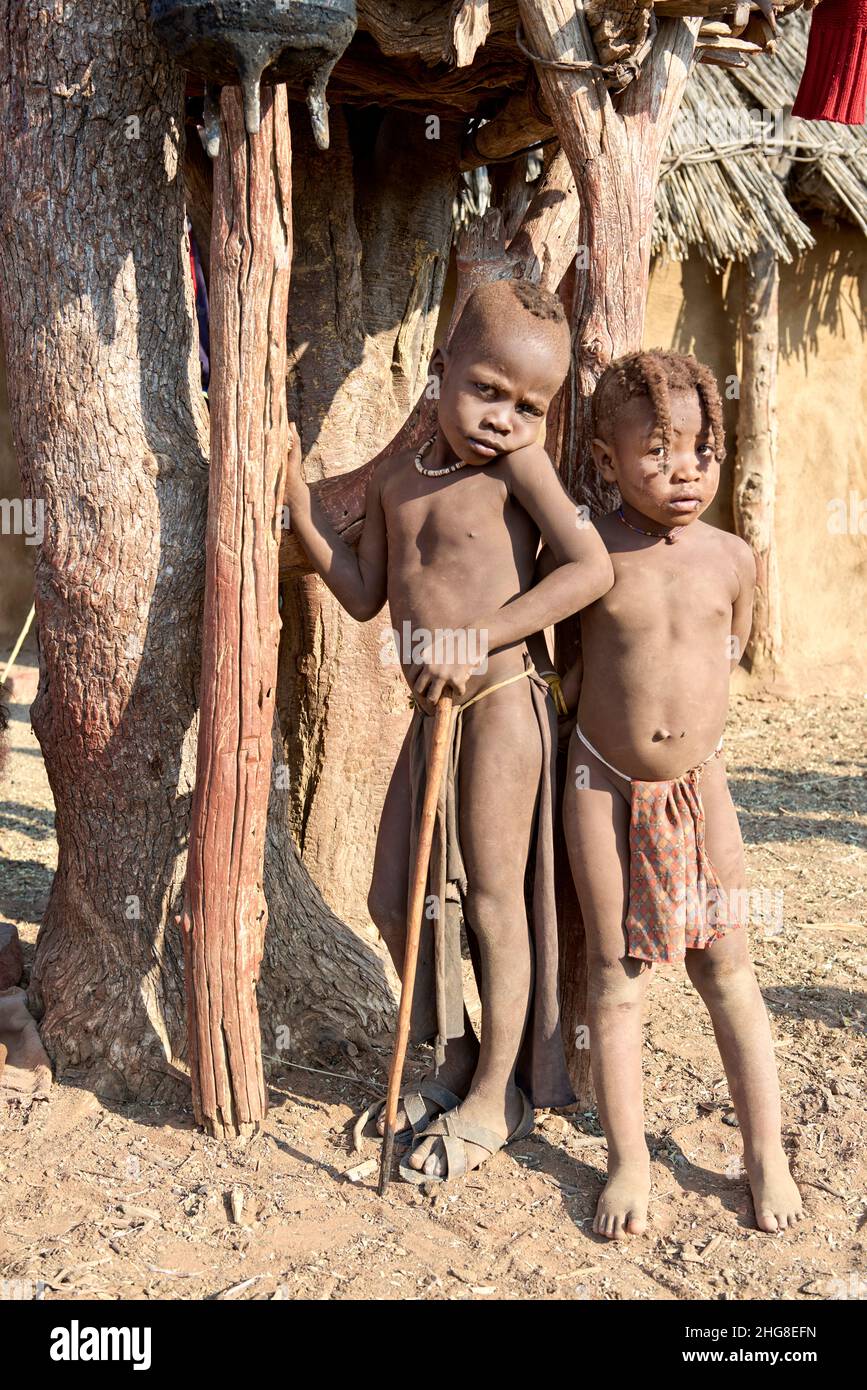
(456, 1134)
(416, 1111)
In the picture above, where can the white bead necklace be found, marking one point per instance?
(435, 472)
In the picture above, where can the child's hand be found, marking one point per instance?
(435, 674)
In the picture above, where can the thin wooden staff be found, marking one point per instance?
(18, 645)
(435, 769)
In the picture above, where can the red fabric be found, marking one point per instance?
(834, 84)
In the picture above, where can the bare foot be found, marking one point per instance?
(622, 1208)
(430, 1158)
(775, 1197)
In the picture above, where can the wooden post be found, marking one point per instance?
(225, 916)
(755, 468)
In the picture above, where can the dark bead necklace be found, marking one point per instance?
(669, 536)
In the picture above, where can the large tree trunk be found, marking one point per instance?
(541, 251)
(343, 734)
(373, 227)
(111, 433)
(613, 146)
(755, 473)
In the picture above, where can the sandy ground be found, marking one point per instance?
(101, 1201)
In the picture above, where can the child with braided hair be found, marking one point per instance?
(654, 842)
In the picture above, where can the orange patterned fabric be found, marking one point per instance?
(676, 900)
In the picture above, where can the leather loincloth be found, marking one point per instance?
(437, 1012)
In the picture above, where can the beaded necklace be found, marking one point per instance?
(669, 536)
(435, 472)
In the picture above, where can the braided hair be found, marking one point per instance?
(655, 374)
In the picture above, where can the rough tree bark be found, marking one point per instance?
(755, 467)
(607, 169)
(541, 250)
(613, 145)
(373, 227)
(225, 911)
(99, 331)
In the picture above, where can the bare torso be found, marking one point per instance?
(656, 651)
(458, 546)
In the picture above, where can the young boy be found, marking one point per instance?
(653, 837)
(450, 539)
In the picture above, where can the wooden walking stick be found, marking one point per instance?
(435, 768)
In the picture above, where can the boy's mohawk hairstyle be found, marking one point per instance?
(498, 304)
(655, 374)
(543, 303)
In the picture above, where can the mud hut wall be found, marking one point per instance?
(822, 439)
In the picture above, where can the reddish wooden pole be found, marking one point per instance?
(439, 747)
(251, 252)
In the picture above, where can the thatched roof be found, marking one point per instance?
(721, 195)
(738, 166)
(731, 183)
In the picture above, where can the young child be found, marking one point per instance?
(653, 837)
(450, 539)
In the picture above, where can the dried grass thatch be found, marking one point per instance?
(738, 163)
(738, 166)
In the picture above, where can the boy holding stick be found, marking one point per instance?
(450, 539)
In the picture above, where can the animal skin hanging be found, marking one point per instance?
(230, 41)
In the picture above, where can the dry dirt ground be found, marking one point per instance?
(104, 1201)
